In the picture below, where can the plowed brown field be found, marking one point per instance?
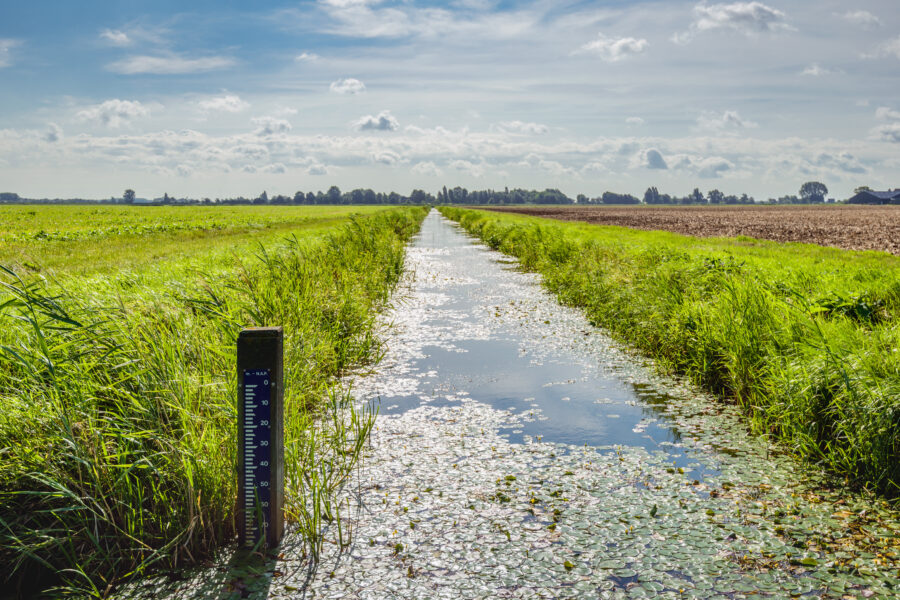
(844, 226)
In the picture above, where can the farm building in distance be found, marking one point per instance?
(873, 197)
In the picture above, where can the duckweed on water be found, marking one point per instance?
(804, 338)
(495, 518)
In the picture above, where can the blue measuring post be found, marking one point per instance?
(260, 511)
(257, 453)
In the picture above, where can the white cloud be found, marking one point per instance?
(745, 16)
(114, 113)
(713, 167)
(637, 121)
(480, 5)
(534, 161)
(885, 113)
(595, 166)
(427, 168)
(54, 133)
(356, 19)
(387, 157)
(274, 169)
(159, 36)
(348, 3)
(889, 132)
(347, 86)
(171, 64)
(862, 18)
(475, 170)
(681, 162)
(614, 49)
(843, 161)
(365, 19)
(270, 125)
(522, 127)
(116, 37)
(590, 164)
(384, 121)
(306, 57)
(227, 103)
(654, 160)
(729, 119)
(556, 168)
(815, 70)
(890, 48)
(246, 150)
(749, 18)
(6, 45)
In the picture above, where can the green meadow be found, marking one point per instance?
(805, 339)
(105, 239)
(118, 384)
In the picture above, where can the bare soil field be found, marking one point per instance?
(849, 227)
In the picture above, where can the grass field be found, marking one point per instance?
(118, 429)
(106, 239)
(806, 339)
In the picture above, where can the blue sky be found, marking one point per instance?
(228, 98)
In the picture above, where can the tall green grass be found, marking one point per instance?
(118, 427)
(806, 339)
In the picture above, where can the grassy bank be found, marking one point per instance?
(118, 429)
(806, 339)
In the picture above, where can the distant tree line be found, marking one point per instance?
(13, 198)
(460, 195)
(335, 196)
(810, 192)
(652, 196)
(332, 196)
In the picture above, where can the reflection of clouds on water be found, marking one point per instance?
(478, 482)
(463, 320)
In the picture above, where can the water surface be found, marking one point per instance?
(470, 326)
(520, 453)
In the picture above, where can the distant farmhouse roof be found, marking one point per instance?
(873, 197)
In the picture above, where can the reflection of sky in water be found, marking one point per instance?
(472, 327)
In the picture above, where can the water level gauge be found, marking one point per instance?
(260, 437)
